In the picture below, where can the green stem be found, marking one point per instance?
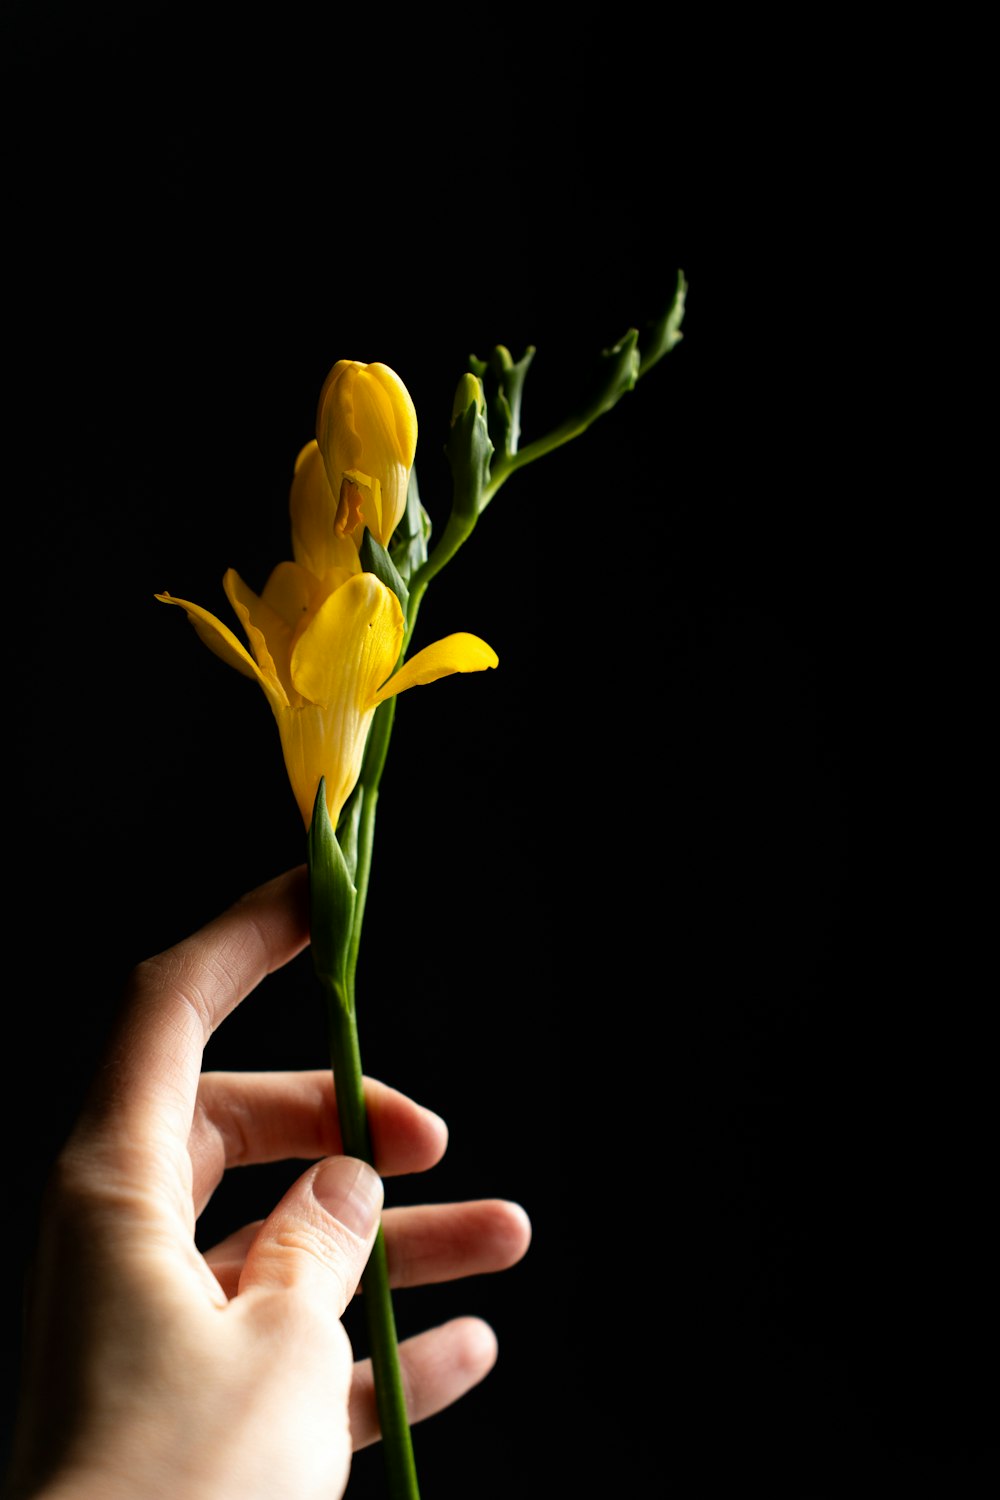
(509, 463)
(345, 1055)
(371, 774)
(457, 531)
(376, 1297)
(460, 528)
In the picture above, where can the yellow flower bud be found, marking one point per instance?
(469, 389)
(366, 429)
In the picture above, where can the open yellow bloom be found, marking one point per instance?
(324, 651)
(366, 439)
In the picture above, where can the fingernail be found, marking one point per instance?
(350, 1191)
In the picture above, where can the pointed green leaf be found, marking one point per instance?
(375, 559)
(408, 547)
(347, 829)
(666, 331)
(332, 896)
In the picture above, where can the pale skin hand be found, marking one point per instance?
(157, 1371)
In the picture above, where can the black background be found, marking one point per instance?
(670, 915)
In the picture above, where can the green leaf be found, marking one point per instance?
(375, 559)
(332, 896)
(347, 828)
(408, 547)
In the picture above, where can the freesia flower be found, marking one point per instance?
(325, 637)
(366, 437)
(326, 641)
(325, 653)
(316, 542)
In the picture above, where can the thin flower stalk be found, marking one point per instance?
(328, 640)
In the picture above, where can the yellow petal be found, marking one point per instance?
(316, 545)
(350, 645)
(268, 633)
(220, 639)
(395, 410)
(290, 593)
(454, 653)
(366, 425)
(320, 740)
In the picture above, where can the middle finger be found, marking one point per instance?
(245, 1119)
(426, 1244)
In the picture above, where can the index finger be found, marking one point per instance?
(175, 1000)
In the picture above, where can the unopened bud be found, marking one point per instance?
(469, 390)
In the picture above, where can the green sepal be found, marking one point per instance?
(375, 559)
(408, 547)
(347, 828)
(666, 331)
(332, 897)
(619, 373)
(504, 381)
(469, 451)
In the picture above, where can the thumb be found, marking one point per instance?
(322, 1231)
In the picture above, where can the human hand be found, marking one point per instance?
(155, 1370)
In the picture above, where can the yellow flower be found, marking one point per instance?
(366, 437)
(316, 543)
(324, 651)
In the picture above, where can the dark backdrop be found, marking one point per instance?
(663, 916)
